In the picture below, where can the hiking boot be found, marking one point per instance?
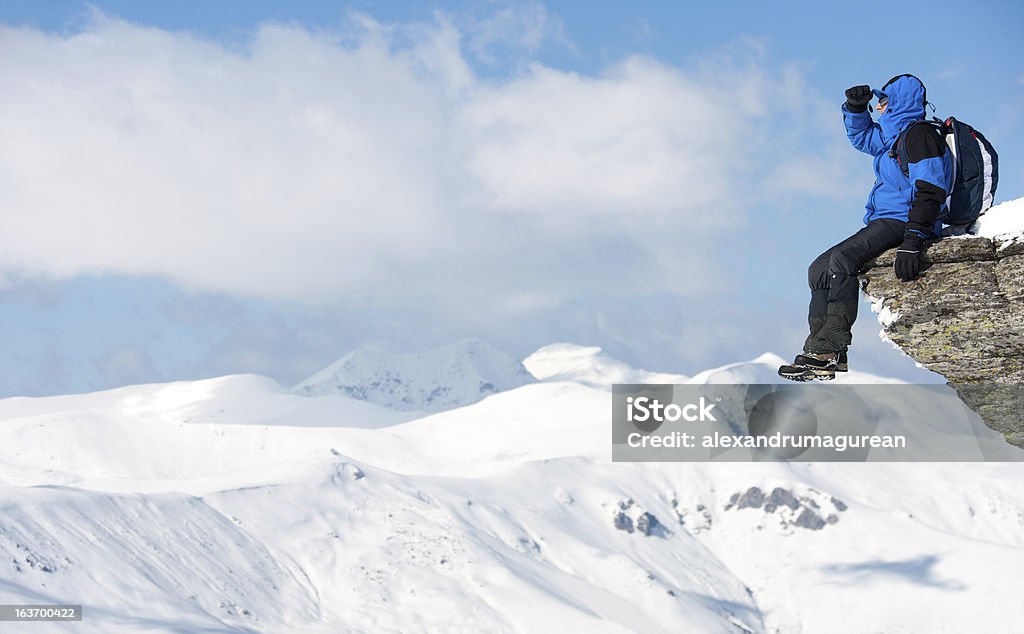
(842, 364)
(807, 367)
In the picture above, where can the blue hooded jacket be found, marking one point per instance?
(894, 192)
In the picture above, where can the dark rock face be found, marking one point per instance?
(964, 319)
(623, 522)
(782, 497)
(810, 520)
(649, 525)
(753, 498)
(644, 523)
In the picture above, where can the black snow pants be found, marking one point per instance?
(834, 288)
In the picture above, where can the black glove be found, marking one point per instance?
(908, 257)
(857, 98)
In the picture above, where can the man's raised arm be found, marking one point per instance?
(864, 133)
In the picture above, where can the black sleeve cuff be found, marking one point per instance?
(924, 209)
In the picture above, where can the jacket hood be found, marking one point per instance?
(907, 97)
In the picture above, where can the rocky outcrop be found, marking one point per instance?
(964, 319)
(645, 522)
(791, 510)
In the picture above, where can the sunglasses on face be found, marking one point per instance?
(883, 99)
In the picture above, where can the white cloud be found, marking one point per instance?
(519, 26)
(377, 164)
(641, 140)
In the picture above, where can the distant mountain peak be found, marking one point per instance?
(432, 381)
(589, 365)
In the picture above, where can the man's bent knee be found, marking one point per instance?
(818, 272)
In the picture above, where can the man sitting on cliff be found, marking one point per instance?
(902, 210)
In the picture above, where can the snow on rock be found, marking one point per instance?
(589, 365)
(431, 381)
(1004, 221)
(886, 316)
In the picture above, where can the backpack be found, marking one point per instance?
(975, 169)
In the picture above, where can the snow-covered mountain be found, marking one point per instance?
(431, 381)
(230, 505)
(589, 365)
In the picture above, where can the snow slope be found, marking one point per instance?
(231, 506)
(764, 369)
(431, 381)
(589, 365)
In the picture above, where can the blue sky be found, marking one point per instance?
(196, 189)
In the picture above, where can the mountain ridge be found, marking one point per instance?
(435, 380)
